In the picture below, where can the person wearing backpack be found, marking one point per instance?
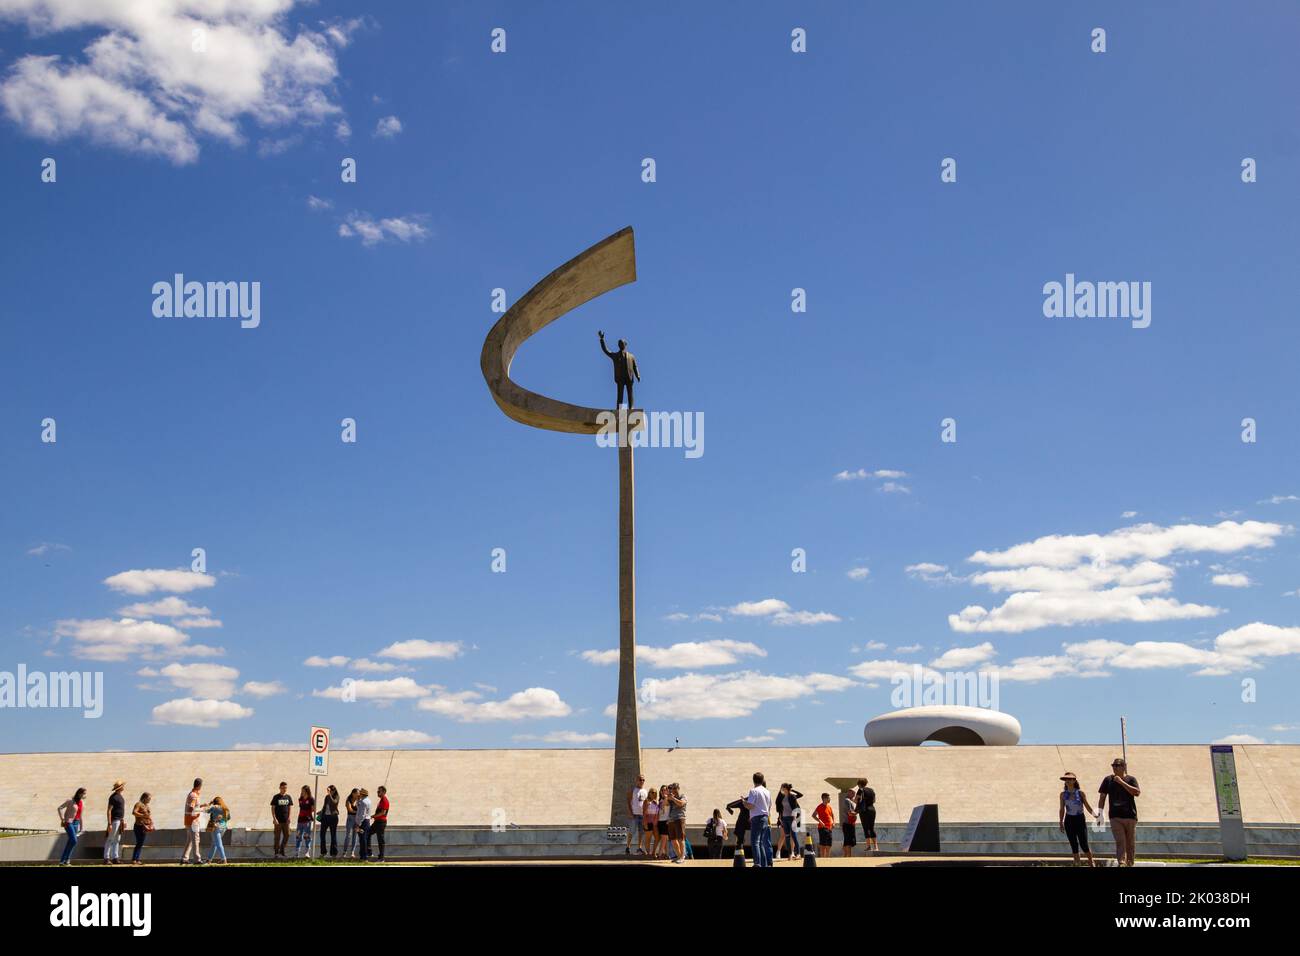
(866, 810)
(218, 823)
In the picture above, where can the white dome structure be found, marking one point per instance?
(958, 726)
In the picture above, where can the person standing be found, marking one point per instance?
(866, 810)
(350, 823)
(759, 803)
(306, 822)
(218, 822)
(650, 820)
(825, 825)
(636, 795)
(379, 822)
(70, 820)
(849, 820)
(787, 807)
(1072, 821)
(143, 815)
(677, 821)
(329, 822)
(715, 831)
(193, 818)
(116, 821)
(281, 805)
(363, 824)
(661, 825)
(1122, 789)
(742, 823)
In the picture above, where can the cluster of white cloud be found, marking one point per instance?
(134, 634)
(467, 706)
(705, 696)
(159, 76)
(889, 477)
(372, 231)
(780, 613)
(1233, 651)
(1067, 580)
(685, 655)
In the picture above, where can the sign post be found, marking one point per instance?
(318, 765)
(1232, 828)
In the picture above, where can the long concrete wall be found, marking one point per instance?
(571, 787)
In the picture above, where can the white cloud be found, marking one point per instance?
(388, 127)
(338, 660)
(366, 666)
(1233, 580)
(388, 739)
(858, 574)
(1144, 541)
(780, 613)
(686, 655)
(704, 696)
(1129, 514)
(317, 204)
(762, 739)
(164, 607)
(157, 579)
(416, 650)
(467, 706)
(1279, 499)
(959, 658)
(343, 129)
(862, 474)
(199, 713)
(885, 670)
(895, 488)
(45, 547)
(258, 688)
(1239, 739)
(1068, 580)
(373, 231)
(204, 680)
(143, 85)
(395, 688)
(931, 573)
(103, 639)
(1029, 610)
(1239, 649)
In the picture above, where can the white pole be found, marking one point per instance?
(1123, 737)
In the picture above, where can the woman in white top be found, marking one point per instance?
(1072, 821)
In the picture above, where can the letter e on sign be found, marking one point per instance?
(318, 752)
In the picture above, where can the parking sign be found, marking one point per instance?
(318, 751)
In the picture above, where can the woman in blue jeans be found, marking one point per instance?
(70, 818)
(218, 821)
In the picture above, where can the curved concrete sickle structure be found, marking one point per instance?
(958, 726)
(607, 265)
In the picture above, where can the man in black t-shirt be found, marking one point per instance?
(1122, 789)
(116, 817)
(281, 805)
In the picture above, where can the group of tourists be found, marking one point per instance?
(658, 819)
(365, 821)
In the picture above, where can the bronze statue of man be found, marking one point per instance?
(624, 369)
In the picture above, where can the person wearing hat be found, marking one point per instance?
(1072, 822)
(1122, 789)
(116, 817)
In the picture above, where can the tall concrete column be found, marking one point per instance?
(627, 734)
(607, 265)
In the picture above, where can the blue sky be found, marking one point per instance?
(1091, 456)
